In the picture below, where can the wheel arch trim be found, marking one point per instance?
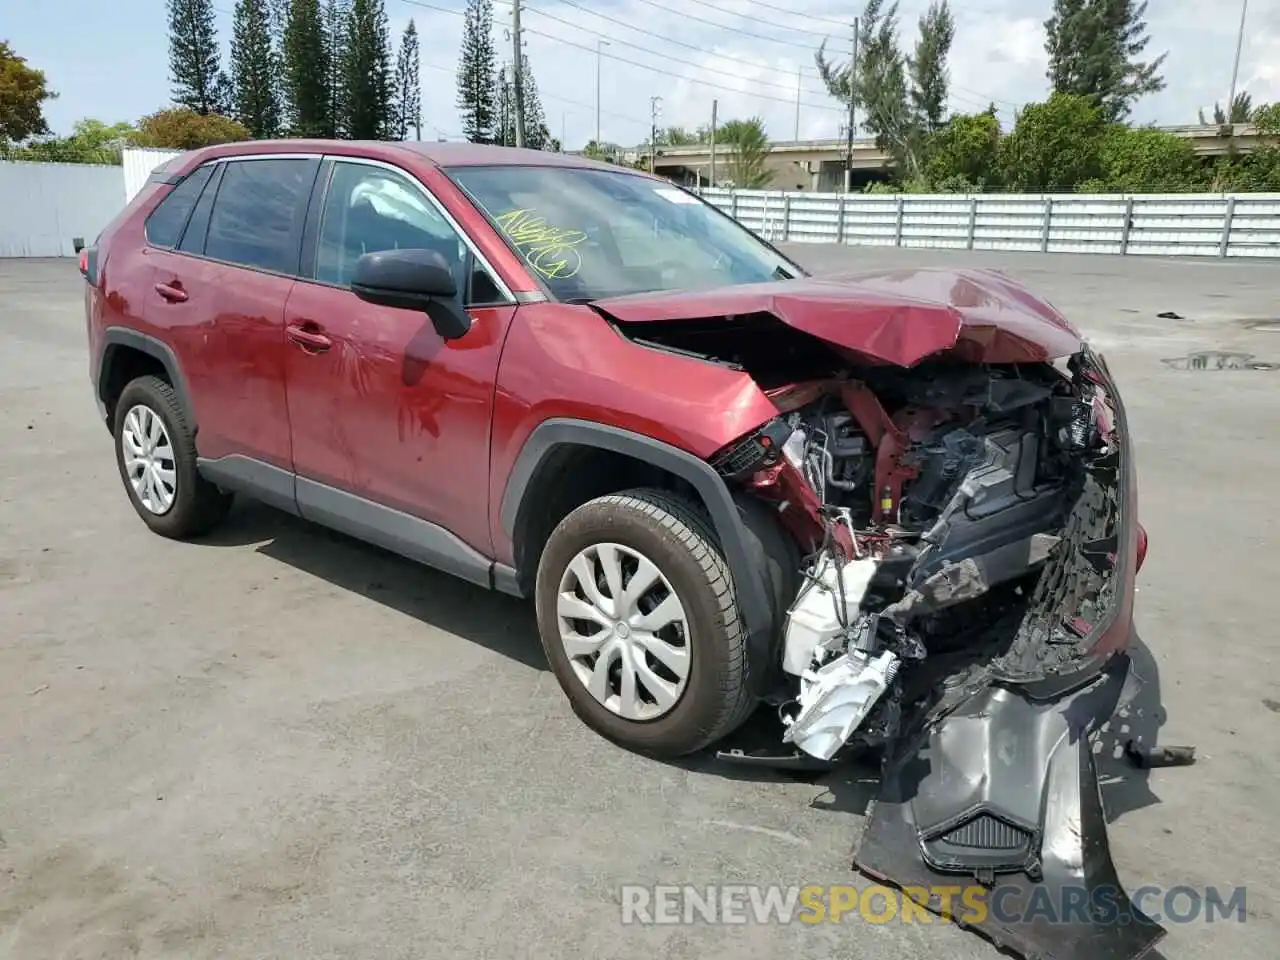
(750, 585)
(114, 338)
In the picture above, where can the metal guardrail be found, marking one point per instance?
(1196, 225)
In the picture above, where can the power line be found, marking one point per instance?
(685, 15)
(705, 83)
(659, 36)
(772, 23)
(656, 53)
(551, 96)
(796, 13)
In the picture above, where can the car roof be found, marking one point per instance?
(442, 154)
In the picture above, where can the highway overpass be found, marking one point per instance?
(819, 164)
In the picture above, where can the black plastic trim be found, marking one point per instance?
(507, 580)
(1030, 765)
(124, 337)
(751, 587)
(401, 533)
(271, 484)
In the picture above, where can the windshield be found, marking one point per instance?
(590, 234)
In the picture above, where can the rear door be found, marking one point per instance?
(219, 294)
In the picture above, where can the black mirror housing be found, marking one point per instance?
(415, 279)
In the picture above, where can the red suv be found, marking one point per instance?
(898, 507)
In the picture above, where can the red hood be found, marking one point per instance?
(899, 317)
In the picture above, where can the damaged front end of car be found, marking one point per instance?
(966, 502)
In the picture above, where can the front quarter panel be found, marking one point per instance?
(564, 360)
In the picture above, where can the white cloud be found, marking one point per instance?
(749, 62)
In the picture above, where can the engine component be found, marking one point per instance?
(835, 699)
(995, 505)
(824, 609)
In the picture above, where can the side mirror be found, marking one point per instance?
(413, 280)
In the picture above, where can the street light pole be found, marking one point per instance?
(599, 44)
(1235, 69)
(655, 107)
(799, 84)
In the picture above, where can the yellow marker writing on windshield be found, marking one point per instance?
(547, 249)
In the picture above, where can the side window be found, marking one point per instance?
(257, 216)
(370, 208)
(198, 226)
(165, 224)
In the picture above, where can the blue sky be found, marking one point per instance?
(110, 60)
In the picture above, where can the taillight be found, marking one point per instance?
(89, 265)
(1142, 547)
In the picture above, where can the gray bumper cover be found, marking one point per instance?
(1003, 791)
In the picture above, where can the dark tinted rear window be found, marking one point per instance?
(257, 216)
(165, 224)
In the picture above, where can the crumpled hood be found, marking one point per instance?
(898, 317)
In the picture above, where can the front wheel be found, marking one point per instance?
(639, 621)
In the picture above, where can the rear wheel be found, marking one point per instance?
(639, 621)
(156, 454)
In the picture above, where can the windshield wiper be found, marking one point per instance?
(782, 273)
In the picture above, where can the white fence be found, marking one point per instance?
(138, 164)
(1213, 225)
(46, 207)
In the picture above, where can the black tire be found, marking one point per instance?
(679, 539)
(198, 505)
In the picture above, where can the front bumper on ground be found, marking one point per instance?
(1003, 793)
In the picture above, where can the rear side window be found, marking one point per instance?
(165, 224)
(257, 216)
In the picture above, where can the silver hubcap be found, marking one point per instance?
(624, 630)
(148, 459)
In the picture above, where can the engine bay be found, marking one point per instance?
(960, 524)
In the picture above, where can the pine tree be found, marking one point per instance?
(278, 18)
(536, 134)
(1094, 48)
(194, 62)
(929, 77)
(478, 89)
(336, 25)
(408, 112)
(306, 70)
(504, 131)
(368, 72)
(254, 70)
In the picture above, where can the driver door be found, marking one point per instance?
(383, 411)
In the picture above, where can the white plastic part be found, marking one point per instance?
(793, 449)
(813, 621)
(836, 698)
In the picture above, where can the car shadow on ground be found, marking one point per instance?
(503, 624)
(508, 627)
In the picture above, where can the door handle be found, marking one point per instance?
(172, 292)
(308, 337)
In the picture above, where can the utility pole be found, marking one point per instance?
(799, 83)
(853, 99)
(599, 43)
(715, 104)
(1235, 69)
(655, 108)
(517, 67)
